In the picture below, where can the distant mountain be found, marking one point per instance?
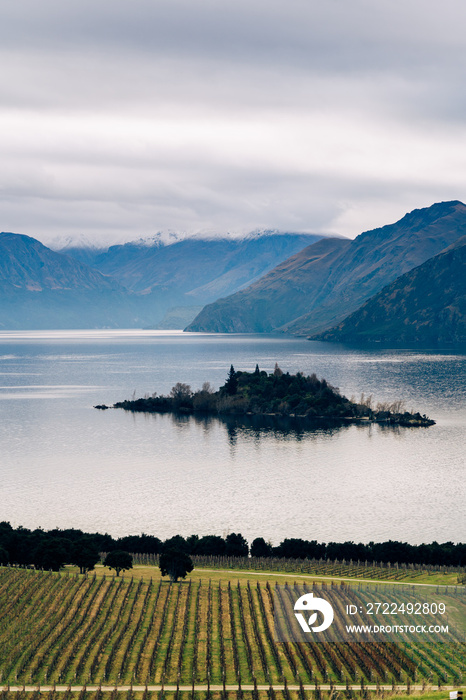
(40, 288)
(315, 290)
(83, 254)
(177, 318)
(424, 306)
(79, 248)
(195, 271)
(136, 285)
(288, 291)
(27, 264)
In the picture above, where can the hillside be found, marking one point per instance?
(27, 264)
(289, 290)
(311, 292)
(426, 305)
(40, 288)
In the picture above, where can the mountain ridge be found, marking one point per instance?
(366, 264)
(261, 299)
(145, 268)
(28, 264)
(426, 305)
(40, 287)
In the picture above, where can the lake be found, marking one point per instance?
(65, 464)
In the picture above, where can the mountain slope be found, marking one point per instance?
(199, 269)
(360, 269)
(40, 288)
(425, 306)
(291, 288)
(27, 264)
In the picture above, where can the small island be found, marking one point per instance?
(276, 394)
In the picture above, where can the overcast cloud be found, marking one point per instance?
(119, 119)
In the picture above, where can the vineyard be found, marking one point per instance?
(70, 629)
(322, 567)
(288, 693)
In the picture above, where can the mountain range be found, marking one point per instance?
(317, 288)
(195, 269)
(130, 285)
(401, 283)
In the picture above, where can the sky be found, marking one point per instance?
(119, 119)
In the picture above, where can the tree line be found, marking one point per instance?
(51, 549)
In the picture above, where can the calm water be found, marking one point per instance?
(65, 464)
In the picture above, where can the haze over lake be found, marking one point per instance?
(65, 464)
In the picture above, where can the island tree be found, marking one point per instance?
(231, 384)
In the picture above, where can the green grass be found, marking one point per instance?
(324, 568)
(148, 572)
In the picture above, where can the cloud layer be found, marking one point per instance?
(119, 119)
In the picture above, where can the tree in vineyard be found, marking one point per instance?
(236, 545)
(120, 561)
(4, 556)
(175, 564)
(84, 554)
(261, 548)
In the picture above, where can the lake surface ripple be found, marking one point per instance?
(65, 464)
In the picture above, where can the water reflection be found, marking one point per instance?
(254, 425)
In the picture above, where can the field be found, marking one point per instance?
(326, 569)
(103, 693)
(71, 629)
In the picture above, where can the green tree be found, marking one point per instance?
(120, 561)
(236, 545)
(261, 548)
(175, 564)
(176, 543)
(84, 554)
(231, 385)
(4, 557)
(52, 553)
(212, 545)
